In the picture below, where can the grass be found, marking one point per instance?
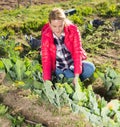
(19, 22)
(18, 17)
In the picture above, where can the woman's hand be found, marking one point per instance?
(76, 78)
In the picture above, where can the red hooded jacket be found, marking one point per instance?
(48, 49)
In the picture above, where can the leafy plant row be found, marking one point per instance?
(27, 74)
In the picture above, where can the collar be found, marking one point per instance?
(61, 36)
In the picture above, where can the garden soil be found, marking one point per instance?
(12, 4)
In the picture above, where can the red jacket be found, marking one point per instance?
(48, 49)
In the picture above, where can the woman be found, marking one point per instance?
(62, 50)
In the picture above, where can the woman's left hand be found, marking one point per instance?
(75, 80)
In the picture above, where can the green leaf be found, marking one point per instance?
(117, 116)
(1, 64)
(49, 91)
(104, 111)
(116, 83)
(101, 75)
(8, 64)
(19, 70)
(96, 120)
(3, 109)
(93, 104)
(37, 85)
(79, 95)
(102, 103)
(108, 83)
(112, 74)
(68, 88)
(39, 92)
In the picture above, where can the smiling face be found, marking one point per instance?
(57, 27)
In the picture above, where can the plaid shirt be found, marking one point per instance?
(63, 57)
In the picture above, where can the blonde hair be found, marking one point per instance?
(58, 14)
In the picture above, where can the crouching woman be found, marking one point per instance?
(62, 51)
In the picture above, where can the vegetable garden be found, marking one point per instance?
(26, 101)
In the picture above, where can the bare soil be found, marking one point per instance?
(12, 4)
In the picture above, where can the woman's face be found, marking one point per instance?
(57, 27)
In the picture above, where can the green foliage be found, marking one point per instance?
(1, 65)
(102, 8)
(97, 40)
(76, 19)
(111, 111)
(22, 69)
(68, 88)
(34, 25)
(30, 20)
(83, 101)
(106, 9)
(79, 95)
(86, 11)
(16, 120)
(27, 71)
(37, 125)
(8, 48)
(57, 96)
(23, 20)
(16, 70)
(111, 81)
(19, 68)
(3, 109)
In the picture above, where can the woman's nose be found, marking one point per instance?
(57, 29)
